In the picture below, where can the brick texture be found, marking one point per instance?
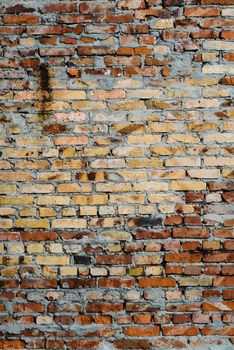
(116, 181)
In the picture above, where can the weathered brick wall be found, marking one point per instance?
(116, 174)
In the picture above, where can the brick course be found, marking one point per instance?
(116, 182)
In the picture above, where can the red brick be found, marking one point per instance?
(103, 307)
(132, 344)
(21, 19)
(82, 344)
(224, 281)
(38, 283)
(201, 12)
(157, 282)
(180, 330)
(141, 332)
(113, 259)
(116, 282)
(39, 236)
(12, 344)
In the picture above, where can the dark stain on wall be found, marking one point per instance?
(45, 89)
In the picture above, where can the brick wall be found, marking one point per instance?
(116, 174)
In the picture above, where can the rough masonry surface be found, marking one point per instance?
(116, 181)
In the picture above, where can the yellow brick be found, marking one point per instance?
(69, 212)
(108, 163)
(106, 222)
(228, 126)
(90, 199)
(204, 173)
(68, 271)
(162, 104)
(15, 248)
(179, 185)
(67, 164)
(129, 128)
(69, 95)
(216, 92)
(8, 271)
(167, 174)
(7, 189)
(219, 138)
(136, 271)
(52, 260)
(50, 271)
(16, 176)
(88, 210)
(27, 212)
(20, 153)
(145, 163)
(51, 106)
(164, 23)
(204, 81)
(54, 176)
(146, 209)
(96, 151)
(133, 175)
(166, 150)
(114, 248)
(228, 173)
(126, 209)
(14, 130)
(183, 138)
(195, 281)
(144, 94)
(50, 153)
(69, 152)
(179, 93)
(144, 139)
(107, 94)
(74, 187)
(166, 208)
(71, 140)
(40, 141)
(183, 162)
(211, 245)
(89, 105)
(129, 151)
(6, 223)
(163, 127)
(53, 200)
(32, 223)
(47, 212)
(27, 41)
(32, 164)
(151, 185)
(127, 105)
(115, 236)
(7, 211)
(201, 126)
(55, 248)
(35, 188)
(69, 223)
(113, 187)
(35, 248)
(158, 198)
(127, 198)
(218, 161)
(24, 200)
(210, 56)
(153, 270)
(147, 259)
